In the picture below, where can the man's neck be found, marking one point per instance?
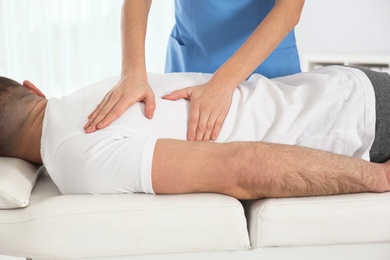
(32, 132)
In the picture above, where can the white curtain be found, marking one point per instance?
(62, 45)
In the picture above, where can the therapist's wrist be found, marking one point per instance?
(135, 73)
(222, 82)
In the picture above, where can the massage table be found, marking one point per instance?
(38, 222)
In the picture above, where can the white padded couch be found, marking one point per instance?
(48, 225)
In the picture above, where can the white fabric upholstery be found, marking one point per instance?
(329, 220)
(335, 252)
(197, 226)
(77, 226)
(17, 179)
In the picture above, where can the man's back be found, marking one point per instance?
(331, 109)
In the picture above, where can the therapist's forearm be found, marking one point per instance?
(268, 35)
(134, 23)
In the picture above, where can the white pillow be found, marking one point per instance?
(17, 179)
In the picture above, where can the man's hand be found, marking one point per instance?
(114, 104)
(208, 109)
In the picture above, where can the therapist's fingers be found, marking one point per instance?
(207, 115)
(98, 108)
(208, 126)
(217, 126)
(193, 119)
(95, 113)
(114, 107)
(201, 121)
(100, 112)
(178, 94)
(117, 101)
(207, 111)
(205, 126)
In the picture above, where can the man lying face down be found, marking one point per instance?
(265, 147)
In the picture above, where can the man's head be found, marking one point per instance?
(16, 102)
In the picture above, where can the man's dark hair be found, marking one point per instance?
(12, 114)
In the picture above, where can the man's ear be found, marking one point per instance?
(30, 86)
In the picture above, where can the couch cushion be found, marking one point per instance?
(341, 219)
(17, 178)
(75, 226)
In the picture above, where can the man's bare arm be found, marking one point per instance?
(250, 170)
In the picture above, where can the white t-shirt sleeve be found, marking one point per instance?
(103, 163)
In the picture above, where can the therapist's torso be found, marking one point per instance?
(207, 33)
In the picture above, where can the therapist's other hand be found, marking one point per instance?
(208, 109)
(126, 92)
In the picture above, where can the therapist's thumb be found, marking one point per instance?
(178, 94)
(150, 106)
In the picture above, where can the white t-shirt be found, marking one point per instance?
(332, 109)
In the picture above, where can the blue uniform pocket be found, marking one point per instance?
(280, 62)
(179, 56)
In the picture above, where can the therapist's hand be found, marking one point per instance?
(208, 109)
(127, 92)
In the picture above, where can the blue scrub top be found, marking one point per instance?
(208, 32)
